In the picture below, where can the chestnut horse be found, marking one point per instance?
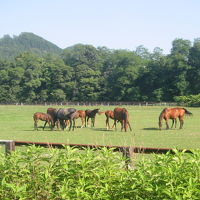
(121, 115)
(109, 115)
(78, 114)
(91, 114)
(173, 113)
(43, 117)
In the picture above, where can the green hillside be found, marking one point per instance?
(12, 46)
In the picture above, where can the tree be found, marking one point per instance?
(194, 71)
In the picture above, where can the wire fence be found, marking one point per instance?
(97, 103)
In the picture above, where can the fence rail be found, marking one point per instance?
(98, 103)
(126, 150)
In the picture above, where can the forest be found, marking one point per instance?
(34, 70)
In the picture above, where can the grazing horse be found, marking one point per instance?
(91, 114)
(43, 117)
(121, 115)
(66, 114)
(52, 112)
(173, 113)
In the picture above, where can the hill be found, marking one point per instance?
(12, 46)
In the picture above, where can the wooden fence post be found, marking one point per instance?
(9, 145)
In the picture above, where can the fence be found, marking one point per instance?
(125, 150)
(103, 103)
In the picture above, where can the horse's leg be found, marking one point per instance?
(93, 122)
(85, 121)
(172, 123)
(35, 125)
(48, 124)
(175, 122)
(82, 121)
(62, 124)
(181, 122)
(70, 122)
(88, 120)
(58, 124)
(167, 125)
(74, 124)
(107, 123)
(129, 126)
(122, 125)
(114, 125)
(44, 124)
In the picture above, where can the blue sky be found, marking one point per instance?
(116, 24)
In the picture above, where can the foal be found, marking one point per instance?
(43, 117)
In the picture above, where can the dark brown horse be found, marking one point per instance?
(43, 117)
(173, 113)
(122, 115)
(52, 112)
(64, 114)
(91, 114)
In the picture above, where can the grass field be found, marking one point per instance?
(16, 123)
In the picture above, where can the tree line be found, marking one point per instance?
(85, 73)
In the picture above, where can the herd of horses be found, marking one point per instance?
(64, 117)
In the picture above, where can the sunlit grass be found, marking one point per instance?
(16, 123)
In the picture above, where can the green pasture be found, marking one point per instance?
(16, 123)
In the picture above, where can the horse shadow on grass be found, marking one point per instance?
(151, 129)
(102, 129)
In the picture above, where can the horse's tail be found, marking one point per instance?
(126, 119)
(187, 112)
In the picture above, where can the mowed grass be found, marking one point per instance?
(16, 123)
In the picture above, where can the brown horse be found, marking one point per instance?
(173, 113)
(109, 115)
(121, 115)
(90, 114)
(78, 114)
(43, 117)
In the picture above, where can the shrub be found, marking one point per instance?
(191, 100)
(54, 174)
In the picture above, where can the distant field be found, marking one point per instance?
(16, 123)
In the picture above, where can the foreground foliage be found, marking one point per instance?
(38, 173)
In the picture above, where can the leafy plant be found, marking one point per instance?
(48, 174)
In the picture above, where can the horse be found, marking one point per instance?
(66, 114)
(122, 115)
(43, 117)
(78, 114)
(173, 113)
(81, 114)
(91, 114)
(52, 112)
(109, 115)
